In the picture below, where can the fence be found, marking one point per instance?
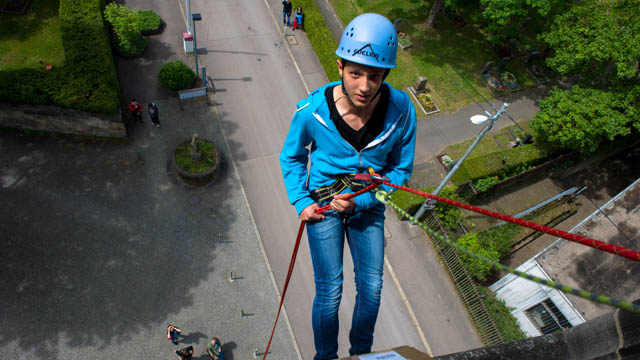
(464, 284)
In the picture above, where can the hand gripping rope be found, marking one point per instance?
(384, 197)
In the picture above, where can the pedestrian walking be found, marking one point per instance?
(343, 128)
(154, 114)
(286, 12)
(136, 110)
(185, 353)
(214, 349)
(172, 334)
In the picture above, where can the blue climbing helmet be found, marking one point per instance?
(369, 39)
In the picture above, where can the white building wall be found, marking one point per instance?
(521, 294)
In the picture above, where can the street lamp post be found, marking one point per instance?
(195, 17)
(476, 119)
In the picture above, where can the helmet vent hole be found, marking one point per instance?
(348, 50)
(351, 35)
(351, 29)
(383, 59)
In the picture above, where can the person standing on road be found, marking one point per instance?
(136, 110)
(286, 12)
(347, 127)
(172, 333)
(214, 349)
(154, 114)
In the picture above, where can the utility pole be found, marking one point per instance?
(476, 119)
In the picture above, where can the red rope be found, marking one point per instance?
(295, 254)
(600, 245)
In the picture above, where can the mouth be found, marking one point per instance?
(361, 98)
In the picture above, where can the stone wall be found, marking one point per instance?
(55, 119)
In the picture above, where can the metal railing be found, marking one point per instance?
(464, 284)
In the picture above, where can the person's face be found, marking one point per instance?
(361, 82)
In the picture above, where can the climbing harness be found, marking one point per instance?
(375, 180)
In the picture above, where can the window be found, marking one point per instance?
(546, 317)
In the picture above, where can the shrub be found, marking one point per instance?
(449, 215)
(501, 315)
(492, 163)
(499, 238)
(148, 20)
(86, 80)
(176, 75)
(486, 183)
(126, 25)
(476, 268)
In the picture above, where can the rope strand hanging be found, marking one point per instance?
(384, 197)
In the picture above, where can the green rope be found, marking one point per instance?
(385, 198)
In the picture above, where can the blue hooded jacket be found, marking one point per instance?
(389, 154)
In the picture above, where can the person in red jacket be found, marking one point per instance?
(136, 110)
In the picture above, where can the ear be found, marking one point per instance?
(340, 68)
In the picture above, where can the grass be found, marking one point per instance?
(208, 160)
(489, 143)
(32, 40)
(451, 57)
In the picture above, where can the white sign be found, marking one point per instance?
(389, 355)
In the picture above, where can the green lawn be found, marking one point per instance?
(492, 142)
(451, 57)
(32, 40)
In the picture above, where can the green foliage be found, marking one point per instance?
(476, 268)
(86, 80)
(127, 25)
(148, 20)
(320, 37)
(501, 315)
(208, 160)
(581, 118)
(507, 161)
(449, 215)
(592, 34)
(176, 76)
(499, 238)
(484, 184)
(501, 15)
(408, 201)
(90, 81)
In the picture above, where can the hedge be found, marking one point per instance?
(320, 37)
(87, 79)
(492, 163)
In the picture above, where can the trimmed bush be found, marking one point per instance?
(320, 37)
(148, 20)
(126, 25)
(90, 82)
(176, 75)
(490, 164)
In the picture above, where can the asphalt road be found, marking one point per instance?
(259, 80)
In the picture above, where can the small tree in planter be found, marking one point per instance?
(176, 76)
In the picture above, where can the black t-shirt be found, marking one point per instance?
(361, 138)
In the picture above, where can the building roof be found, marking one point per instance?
(603, 273)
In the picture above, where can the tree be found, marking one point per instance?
(501, 15)
(597, 38)
(581, 118)
(436, 8)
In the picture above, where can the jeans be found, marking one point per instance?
(286, 17)
(365, 235)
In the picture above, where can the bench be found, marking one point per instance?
(192, 93)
